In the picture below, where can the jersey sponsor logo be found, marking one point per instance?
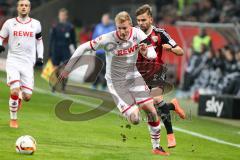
(214, 106)
(127, 51)
(23, 34)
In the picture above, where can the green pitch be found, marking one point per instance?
(103, 138)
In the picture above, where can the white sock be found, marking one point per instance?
(154, 129)
(13, 106)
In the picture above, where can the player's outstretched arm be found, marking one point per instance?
(83, 48)
(3, 34)
(176, 50)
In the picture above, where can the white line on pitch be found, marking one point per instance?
(206, 137)
(93, 105)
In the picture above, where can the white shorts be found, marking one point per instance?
(20, 76)
(129, 94)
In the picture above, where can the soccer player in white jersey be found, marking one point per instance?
(24, 39)
(125, 83)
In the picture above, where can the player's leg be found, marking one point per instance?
(163, 110)
(13, 81)
(141, 93)
(125, 102)
(27, 82)
(153, 126)
(164, 113)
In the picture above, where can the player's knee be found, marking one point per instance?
(134, 119)
(26, 97)
(15, 91)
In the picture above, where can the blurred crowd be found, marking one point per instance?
(213, 11)
(210, 72)
(8, 8)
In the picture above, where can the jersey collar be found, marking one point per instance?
(151, 29)
(19, 20)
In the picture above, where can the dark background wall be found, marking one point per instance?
(81, 12)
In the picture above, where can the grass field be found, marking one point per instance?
(100, 138)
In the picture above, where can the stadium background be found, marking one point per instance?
(193, 134)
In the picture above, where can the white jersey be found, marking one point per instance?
(21, 39)
(121, 55)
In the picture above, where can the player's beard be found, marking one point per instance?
(145, 29)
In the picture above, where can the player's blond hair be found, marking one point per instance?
(24, 0)
(144, 9)
(122, 17)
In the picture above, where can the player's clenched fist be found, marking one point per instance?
(2, 49)
(143, 49)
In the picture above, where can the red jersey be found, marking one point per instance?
(157, 37)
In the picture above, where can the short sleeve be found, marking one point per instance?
(5, 30)
(166, 38)
(39, 28)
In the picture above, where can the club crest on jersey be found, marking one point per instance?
(154, 38)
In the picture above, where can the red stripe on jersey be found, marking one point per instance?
(92, 46)
(130, 35)
(140, 102)
(26, 88)
(23, 22)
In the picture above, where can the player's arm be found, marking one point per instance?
(39, 46)
(169, 44)
(145, 46)
(92, 45)
(3, 34)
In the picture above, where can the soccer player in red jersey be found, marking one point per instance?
(153, 69)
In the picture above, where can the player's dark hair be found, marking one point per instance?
(144, 9)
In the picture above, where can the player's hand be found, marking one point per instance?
(39, 62)
(143, 49)
(2, 48)
(167, 47)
